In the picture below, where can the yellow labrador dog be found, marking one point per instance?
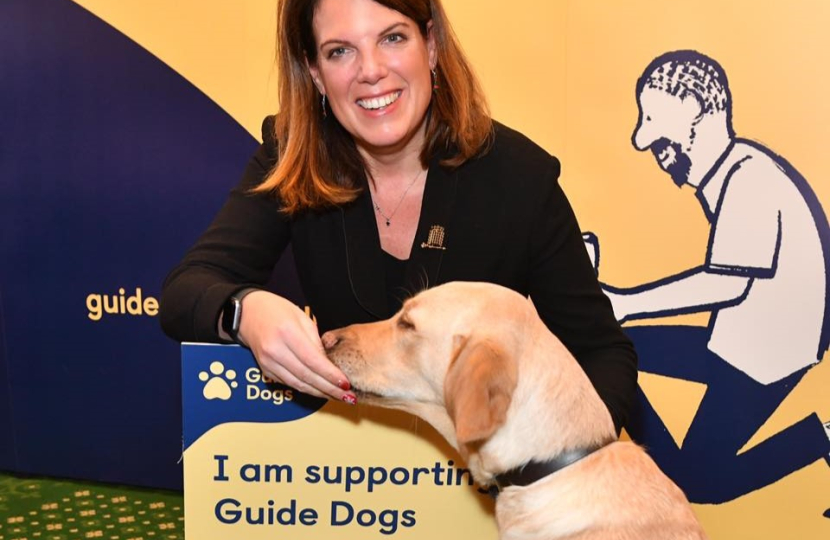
(476, 362)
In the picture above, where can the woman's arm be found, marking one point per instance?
(239, 249)
(565, 291)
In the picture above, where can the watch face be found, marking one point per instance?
(231, 317)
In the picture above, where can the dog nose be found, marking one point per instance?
(330, 340)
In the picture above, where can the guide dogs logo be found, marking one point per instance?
(219, 382)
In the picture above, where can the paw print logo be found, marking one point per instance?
(218, 383)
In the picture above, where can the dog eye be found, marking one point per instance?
(405, 324)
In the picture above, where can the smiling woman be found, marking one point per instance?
(350, 56)
(374, 66)
(386, 174)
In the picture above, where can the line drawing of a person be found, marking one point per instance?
(764, 280)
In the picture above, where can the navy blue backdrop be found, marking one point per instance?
(111, 164)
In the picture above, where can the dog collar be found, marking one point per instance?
(536, 470)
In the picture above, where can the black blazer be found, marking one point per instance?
(505, 220)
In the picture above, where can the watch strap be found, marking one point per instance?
(232, 313)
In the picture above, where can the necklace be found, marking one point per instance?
(388, 218)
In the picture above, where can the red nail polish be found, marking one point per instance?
(344, 385)
(351, 399)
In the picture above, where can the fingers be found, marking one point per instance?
(287, 347)
(289, 370)
(321, 364)
(309, 367)
(281, 374)
(299, 362)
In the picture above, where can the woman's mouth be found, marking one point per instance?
(378, 103)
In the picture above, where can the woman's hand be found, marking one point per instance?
(287, 346)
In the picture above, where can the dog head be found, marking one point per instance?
(453, 356)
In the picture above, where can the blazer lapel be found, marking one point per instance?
(433, 236)
(364, 256)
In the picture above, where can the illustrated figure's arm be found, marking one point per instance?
(693, 291)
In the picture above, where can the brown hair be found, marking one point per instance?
(318, 163)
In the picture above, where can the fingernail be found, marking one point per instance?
(344, 385)
(351, 399)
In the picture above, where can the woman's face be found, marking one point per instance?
(374, 65)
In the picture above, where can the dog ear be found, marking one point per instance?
(478, 388)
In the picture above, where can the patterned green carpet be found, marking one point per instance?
(34, 508)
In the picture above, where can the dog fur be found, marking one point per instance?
(476, 362)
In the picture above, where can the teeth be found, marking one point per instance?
(378, 103)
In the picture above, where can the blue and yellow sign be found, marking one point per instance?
(264, 461)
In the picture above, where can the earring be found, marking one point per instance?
(435, 86)
(325, 114)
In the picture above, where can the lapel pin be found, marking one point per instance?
(435, 239)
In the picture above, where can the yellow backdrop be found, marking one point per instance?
(563, 72)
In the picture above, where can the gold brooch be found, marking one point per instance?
(435, 239)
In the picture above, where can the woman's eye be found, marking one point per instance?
(395, 38)
(337, 51)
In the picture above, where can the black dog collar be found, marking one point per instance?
(536, 470)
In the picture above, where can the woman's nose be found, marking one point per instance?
(372, 66)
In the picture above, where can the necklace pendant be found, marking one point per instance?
(387, 222)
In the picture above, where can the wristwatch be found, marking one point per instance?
(232, 313)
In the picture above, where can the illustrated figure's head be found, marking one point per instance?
(683, 98)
